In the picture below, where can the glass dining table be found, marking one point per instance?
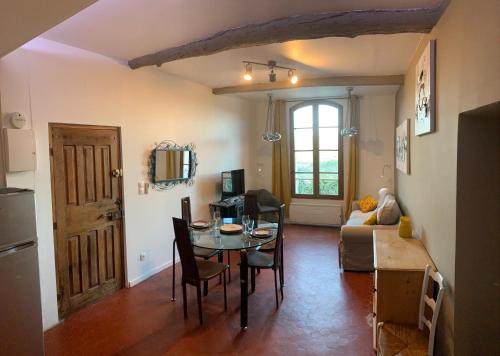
(212, 238)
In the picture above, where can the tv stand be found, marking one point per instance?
(230, 207)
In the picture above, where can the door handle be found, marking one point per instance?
(118, 172)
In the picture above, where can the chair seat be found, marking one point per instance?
(260, 260)
(270, 246)
(402, 340)
(204, 252)
(208, 269)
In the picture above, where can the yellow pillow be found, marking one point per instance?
(372, 220)
(367, 204)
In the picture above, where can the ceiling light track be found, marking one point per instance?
(271, 65)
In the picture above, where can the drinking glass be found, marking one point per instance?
(244, 220)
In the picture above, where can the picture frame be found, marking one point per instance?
(425, 91)
(403, 147)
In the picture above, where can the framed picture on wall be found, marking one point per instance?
(403, 147)
(425, 91)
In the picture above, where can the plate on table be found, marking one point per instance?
(200, 224)
(231, 229)
(262, 233)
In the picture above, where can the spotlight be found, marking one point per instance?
(272, 76)
(292, 76)
(248, 72)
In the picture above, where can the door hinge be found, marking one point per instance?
(54, 226)
(51, 151)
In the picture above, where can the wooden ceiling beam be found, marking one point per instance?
(314, 82)
(302, 27)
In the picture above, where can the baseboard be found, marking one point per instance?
(148, 274)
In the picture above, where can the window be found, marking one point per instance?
(316, 150)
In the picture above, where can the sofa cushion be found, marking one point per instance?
(372, 220)
(357, 218)
(388, 213)
(367, 204)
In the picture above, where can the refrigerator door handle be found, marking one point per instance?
(17, 248)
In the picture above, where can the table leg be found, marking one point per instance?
(244, 290)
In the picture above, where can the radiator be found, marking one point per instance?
(315, 213)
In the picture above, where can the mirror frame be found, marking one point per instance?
(168, 145)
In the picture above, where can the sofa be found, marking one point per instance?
(356, 238)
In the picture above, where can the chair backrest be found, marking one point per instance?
(188, 261)
(251, 207)
(434, 305)
(186, 210)
(279, 235)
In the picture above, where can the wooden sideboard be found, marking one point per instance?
(399, 272)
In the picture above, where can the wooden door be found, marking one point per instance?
(87, 203)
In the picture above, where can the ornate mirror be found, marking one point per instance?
(171, 164)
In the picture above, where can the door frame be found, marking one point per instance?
(53, 125)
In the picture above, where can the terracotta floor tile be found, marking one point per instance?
(325, 312)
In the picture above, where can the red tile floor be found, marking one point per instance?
(325, 312)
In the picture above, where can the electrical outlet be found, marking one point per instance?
(142, 256)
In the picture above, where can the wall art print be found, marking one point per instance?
(425, 91)
(403, 147)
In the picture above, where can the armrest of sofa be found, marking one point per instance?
(358, 233)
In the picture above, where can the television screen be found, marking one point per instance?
(233, 182)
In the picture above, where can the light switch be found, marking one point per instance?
(143, 188)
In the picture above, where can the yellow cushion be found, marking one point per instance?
(372, 220)
(367, 204)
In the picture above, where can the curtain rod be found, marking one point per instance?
(315, 98)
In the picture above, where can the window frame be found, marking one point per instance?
(316, 195)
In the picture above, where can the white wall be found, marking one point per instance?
(376, 148)
(467, 76)
(50, 82)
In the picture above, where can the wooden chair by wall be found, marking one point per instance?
(195, 271)
(261, 260)
(404, 339)
(198, 252)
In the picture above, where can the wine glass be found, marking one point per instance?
(217, 219)
(250, 226)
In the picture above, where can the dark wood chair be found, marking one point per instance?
(195, 271)
(261, 202)
(198, 252)
(261, 260)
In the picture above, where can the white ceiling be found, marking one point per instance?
(124, 29)
(23, 20)
(363, 55)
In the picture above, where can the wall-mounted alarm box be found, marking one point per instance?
(20, 153)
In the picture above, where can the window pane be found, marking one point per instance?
(328, 161)
(328, 115)
(328, 184)
(304, 183)
(303, 139)
(303, 117)
(328, 138)
(304, 161)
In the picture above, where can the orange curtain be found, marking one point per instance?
(281, 165)
(352, 172)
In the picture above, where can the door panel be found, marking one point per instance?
(89, 244)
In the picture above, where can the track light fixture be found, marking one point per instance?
(248, 72)
(292, 76)
(271, 65)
